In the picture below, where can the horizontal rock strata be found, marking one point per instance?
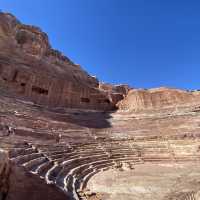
(159, 98)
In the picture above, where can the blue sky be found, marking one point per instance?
(144, 43)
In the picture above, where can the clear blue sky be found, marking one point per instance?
(145, 43)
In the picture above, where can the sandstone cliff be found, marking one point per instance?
(115, 92)
(158, 98)
(30, 68)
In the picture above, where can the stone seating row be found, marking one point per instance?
(70, 166)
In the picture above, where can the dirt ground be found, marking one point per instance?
(149, 182)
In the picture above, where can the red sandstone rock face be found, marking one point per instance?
(30, 68)
(4, 174)
(139, 99)
(115, 92)
(121, 89)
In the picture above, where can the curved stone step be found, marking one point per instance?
(21, 151)
(32, 165)
(43, 169)
(54, 173)
(25, 158)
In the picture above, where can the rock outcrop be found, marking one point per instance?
(115, 92)
(4, 174)
(30, 68)
(158, 98)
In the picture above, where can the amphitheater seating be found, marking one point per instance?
(70, 166)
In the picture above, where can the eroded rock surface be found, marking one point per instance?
(24, 185)
(30, 68)
(4, 174)
(158, 98)
(115, 93)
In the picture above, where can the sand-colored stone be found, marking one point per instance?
(149, 182)
(158, 98)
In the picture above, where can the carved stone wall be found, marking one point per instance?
(30, 68)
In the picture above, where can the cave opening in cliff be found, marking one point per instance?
(85, 100)
(39, 90)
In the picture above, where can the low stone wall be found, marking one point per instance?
(4, 174)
